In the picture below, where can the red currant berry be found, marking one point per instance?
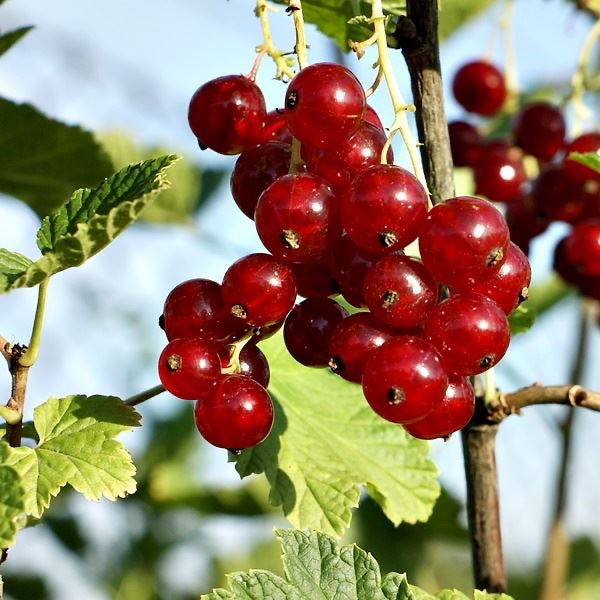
(465, 142)
(297, 219)
(352, 341)
(509, 286)
(588, 142)
(227, 114)
(255, 170)
(372, 117)
(399, 291)
(238, 415)
(314, 280)
(479, 88)
(470, 332)
(189, 368)
(384, 208)
(564, 267)
(308, 328)
(259, 289)
(254, 364)
(539, 128)
(195, 308)
(324, 104)
(523, 222)
(499, 178)
(463, 239)
(450, 415)
(404, 380)
(275, 128)
(582, 247)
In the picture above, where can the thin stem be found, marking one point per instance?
(510, 63)
(281, 64)
(295, 7)
(30, 356)
(557, 555)
(536, 394)
(400, 107)
(145, 395)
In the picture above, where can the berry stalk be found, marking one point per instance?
(268, 46)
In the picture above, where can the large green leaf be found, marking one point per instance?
(326, 441)
(11, 500)
(76, 447)
(317, 568)
(8, 39)
(44, 160)
(454, 14)
(86, 224)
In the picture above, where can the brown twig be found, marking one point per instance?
(145, 395)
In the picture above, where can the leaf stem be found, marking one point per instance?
(145, 395)
(30, 356)
(283, 69)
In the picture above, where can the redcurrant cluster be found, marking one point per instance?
(561, 190)
(336, 221)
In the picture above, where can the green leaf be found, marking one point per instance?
(11, 501)
(521, 319)
(8, 39)
(44, 160)
(317, 568)
(456, 13)
(589, 159)
(326, 441)
(337, 18)
(76, 447)
(87, 223)
(175, 204)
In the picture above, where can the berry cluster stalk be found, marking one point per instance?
(283, 69)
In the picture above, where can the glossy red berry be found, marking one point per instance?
(463, 239)
(255, 170)
(259, 289)
(588, 142)
(308, 328)
(297, 218)
(564, 267)
(404, 380)
(478, 87)
(314, 280)
(254, 364)
(275, 128)
(450, 415)
(189, 368)
(539, 128)
(470, 332)
(238, 415)
(399, 291)
(324, 104)
(582, 247)
(195, 308)
(352, 341)
(384, 208)
(499, 177)
(227, 114)
(465, 143)
(524, 222)
(509, 286)
(372, 117)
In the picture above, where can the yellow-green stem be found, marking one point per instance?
(510, 63)
(400, 107)
(29, 358)
(295, 6)
(268, 46)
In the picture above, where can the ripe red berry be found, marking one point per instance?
(478, 87)
(308, 328)
(499, 177)
(238, 415)
(189, 368)
(297, 218)
(384, 208)
(275, 128)
(352, 341)
(399, 291)
(539, 128)
(509, 286)
(372, 117)
(404, 380)
(255, 170)
(254, 364)
(227, 114)
(324, 104)
(465, 143)
(450, 415)
(314, 280)
(588, 142)
(524, 222)
(259, 289)
(463, 239)
(195, 308)
(582, 247)
(470, 332)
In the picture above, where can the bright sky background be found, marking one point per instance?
(133, 66)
